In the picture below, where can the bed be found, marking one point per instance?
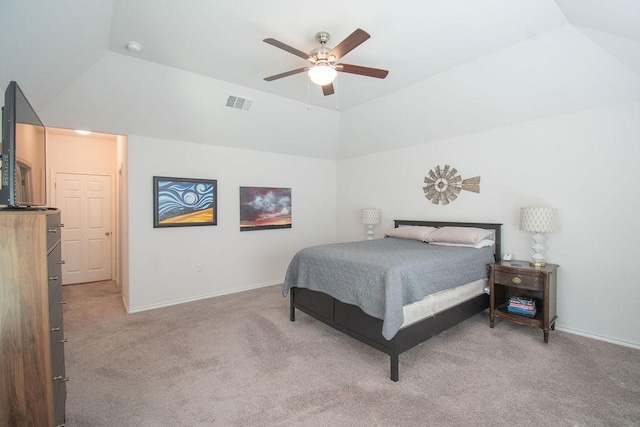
(378, 314)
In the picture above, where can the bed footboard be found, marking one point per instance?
(351, 320)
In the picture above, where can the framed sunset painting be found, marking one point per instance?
(264, 208)
(183, 202)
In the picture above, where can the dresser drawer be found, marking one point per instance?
(55, 311)
(519, 280)
(57, 359)
(56, 335)
(58, 374)
(57, 354)
(54, 272)
(53, 229)
(60, 399)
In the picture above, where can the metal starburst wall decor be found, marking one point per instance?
(444, 184)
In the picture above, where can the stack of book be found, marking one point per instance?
(522, 306)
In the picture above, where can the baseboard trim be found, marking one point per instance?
(277, 282)
(200, 297)
(597, 337)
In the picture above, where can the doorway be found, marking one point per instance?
(87, 176)
(85, 204)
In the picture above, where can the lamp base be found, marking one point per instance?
(369, 232)
(537, 259)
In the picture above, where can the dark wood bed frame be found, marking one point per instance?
(351, 320)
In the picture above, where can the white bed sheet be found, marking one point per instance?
(435, 303)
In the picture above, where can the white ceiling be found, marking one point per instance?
(414, 41)
(54, 49)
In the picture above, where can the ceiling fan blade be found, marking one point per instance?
(363, 71)
(351, 42)
(286, 74)
(328, 89)
(279, 44)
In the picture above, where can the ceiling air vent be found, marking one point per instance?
(239, 103)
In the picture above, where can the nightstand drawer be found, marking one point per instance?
(519, 280)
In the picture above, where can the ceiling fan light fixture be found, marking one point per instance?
(324, 67)
(322, 74)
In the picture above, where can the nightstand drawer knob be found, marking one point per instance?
(516, 280)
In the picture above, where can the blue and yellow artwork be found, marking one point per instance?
(184, 202)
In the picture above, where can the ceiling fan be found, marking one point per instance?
(324, 60)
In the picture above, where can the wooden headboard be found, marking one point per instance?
(497, 253)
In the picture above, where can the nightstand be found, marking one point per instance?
(518, 278)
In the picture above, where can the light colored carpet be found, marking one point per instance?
(238, 360)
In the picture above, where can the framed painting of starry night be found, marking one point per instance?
(184, 202)
(264, 208)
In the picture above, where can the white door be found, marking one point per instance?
(85, 205)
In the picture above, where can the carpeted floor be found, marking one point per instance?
(238, 360)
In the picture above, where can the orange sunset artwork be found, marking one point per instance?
(264, 208)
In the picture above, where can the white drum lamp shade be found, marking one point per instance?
(370, 217)
(538, 221)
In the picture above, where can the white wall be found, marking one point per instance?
(71, 153)
(584, 164)
(162, 261)
(122, 218)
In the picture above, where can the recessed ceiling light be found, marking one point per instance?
(134, 47)
(83, 132)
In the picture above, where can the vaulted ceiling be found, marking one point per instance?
(541, 53)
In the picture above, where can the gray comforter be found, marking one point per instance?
(381, 276)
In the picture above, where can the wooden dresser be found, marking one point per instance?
(32, 374)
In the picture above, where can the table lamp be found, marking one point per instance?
(370, 217)
(538, 220)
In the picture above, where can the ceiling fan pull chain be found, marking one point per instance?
(336, 94)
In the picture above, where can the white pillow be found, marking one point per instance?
(413, 232)
(482, 244)
(462, 235)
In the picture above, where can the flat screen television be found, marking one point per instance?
(23, 153)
